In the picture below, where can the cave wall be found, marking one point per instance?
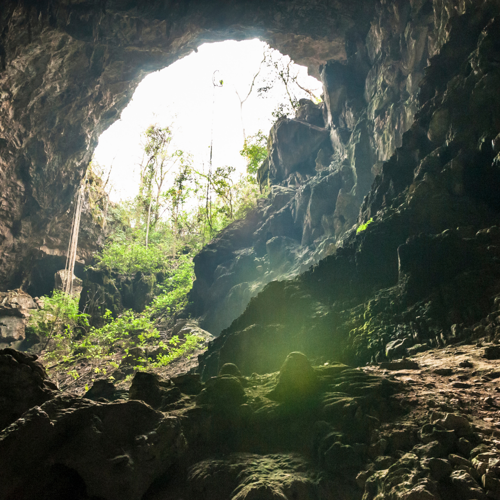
(323, 163)
(424, 271)
(69, 68)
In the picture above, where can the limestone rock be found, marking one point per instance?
(223, 392)
(440, 468)
(247, 476)
(61, 278)
(465, 487)
(116, 450)
(188, 383)
(400, 365)
(102, 389)
(492, 352)
(457, 423)
(23, 385)
(294, 146)
(310, 113)
(297, 379)
(339, 457)
(230, 369)
(102, 290)
(15, 307)
(155, 392)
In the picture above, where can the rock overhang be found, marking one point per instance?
(68, 69)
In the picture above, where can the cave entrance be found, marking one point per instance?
(212, 101)
(68, 70)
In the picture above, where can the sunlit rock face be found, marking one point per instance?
(323, 163)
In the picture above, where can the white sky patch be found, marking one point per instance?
(183, 97)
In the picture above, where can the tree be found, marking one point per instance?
(155, 167)
(242, 101)
(176, 198)
(281, 70)
(255, 152)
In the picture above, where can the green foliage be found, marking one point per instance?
(364, 226)
(178, 212)
(190, 343)
(174, 290)
(127, 326)
(129, 257)
(157, 233)
(255, 152)
(58, 320)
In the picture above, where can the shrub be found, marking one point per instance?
(59, 320)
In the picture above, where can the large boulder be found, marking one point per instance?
(104, 289)
(297, 379)
(293, 147)
(23, 385)
(63, 276)
(15, 307)
(76, 447)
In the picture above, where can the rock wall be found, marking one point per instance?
(104, 290)
(424, 269)
(48, 255)
(322, 164)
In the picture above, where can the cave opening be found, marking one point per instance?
(212, 100)
(83, 71)
(373, 355)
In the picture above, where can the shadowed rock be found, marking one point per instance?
(297, 379)
(23, 385)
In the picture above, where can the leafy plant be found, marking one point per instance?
(58, 321)
(138, 328)
(129, 257)
(255, 152)
(364, 226)
(191, 343)
(174, 291)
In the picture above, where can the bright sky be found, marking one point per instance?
(182, 96)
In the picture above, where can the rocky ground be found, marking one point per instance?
(422, 427)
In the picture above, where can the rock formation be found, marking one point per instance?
(105, 290)
(371, 375)
(425, 268)
(322, 164)
(15, 307)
